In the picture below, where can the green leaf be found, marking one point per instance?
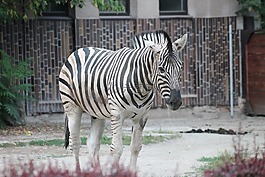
(12, 111)
(11, 9)
(109, 5)
(7, 94)
(22, 87)
(12, 88)
(3, 86)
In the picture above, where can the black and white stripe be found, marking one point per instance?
(97, 79)
(171, 65)
(116, 85)
(157, 37)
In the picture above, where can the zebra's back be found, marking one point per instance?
(104, 82)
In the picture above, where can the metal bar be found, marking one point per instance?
(189, 96)
(240, 66)
(231, 68)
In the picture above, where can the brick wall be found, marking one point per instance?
(211, 61)
(109, 34)
(48, 43)
(205, 77)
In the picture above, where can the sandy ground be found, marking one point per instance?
(178, 156)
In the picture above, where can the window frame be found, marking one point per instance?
(114, 13)
(184, 10)
(48, 13)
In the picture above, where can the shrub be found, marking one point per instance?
(252, 167)
(12, 89)
(33, 170)
(242, 166)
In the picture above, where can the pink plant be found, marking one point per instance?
(32, 170)
(242, 166)
(252, 167)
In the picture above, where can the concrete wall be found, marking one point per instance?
(138, 9)
(150, 9)
(87, 12)
(212, 8)
(144, 8)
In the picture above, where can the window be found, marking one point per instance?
(54, 9)
(114, 7)
(173, 7)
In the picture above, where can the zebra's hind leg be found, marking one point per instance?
(96, 131)
(74, 114)
(136, 141)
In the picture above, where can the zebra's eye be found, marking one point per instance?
(162, 70)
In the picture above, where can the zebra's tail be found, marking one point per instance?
(66, 131)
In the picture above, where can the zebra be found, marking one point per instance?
(116, 85)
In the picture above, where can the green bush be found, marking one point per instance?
(12, 89)
(256, 7)
(109, 5)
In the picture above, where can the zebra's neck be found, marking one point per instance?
(148, 69)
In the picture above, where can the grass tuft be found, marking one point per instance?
(210, 163)
(149, 139)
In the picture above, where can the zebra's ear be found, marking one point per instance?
(179, 44)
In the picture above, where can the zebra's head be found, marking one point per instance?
(168, 71)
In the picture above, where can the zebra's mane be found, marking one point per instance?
(157, 33)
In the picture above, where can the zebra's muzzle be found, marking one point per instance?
(174, 101)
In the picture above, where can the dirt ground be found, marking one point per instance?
(178, 156)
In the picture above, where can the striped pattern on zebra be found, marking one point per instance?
(161, 37)
(158, 37)
(115, 85)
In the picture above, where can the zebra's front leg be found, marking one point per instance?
(116, 146)
(136, 141)
(96, 131)
(74, 114)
